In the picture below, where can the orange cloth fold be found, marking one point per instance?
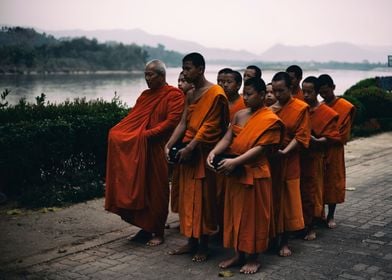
(136, 171)
(248, 198)
(206, 121)
(286, 170)
(335, 173)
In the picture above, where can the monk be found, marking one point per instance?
(185, 87)
(203, 123)
(295, 73)
(248, 200)
(220, 79)
(287, 197)
(270, 98)
(335, 174)
(323, 123)
(252, 71)
(137, 183)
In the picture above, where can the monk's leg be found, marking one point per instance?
(141, 236)
(252, 265)
(237, 259)
(202, 250)
(156, 240)
(310, 233)
(284, 250)
(188, 248)
(330, 217)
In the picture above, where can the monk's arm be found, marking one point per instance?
(222, 145)
(178, 132)
(228, 165)
(175, 107)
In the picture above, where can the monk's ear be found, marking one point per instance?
(201, 69)
(333, 87)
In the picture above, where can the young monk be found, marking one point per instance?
(287, 197)
(203, 123)
(252, 71)
(335, 174)
(220, 79)
(270, 98)
(248, 199)
(323, 122)
(295, 73)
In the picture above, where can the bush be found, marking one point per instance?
(54, 154)
(360, 113)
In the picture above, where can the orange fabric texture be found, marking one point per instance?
(286, 170)
(335, 172)
(136, 172)
(206, 121)
(248, 198)
(236, 106)
(323, 122)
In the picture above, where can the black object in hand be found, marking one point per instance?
(218, 158)
(174, 150)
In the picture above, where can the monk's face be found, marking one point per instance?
(183, 84)
(326, 92)
(230, 85)
(269, 96)
(282, 91)
(154, 80)
(252, 98)
(310, 95)
(191, 72)
(221, 79)
(249, 73)
(294, 80)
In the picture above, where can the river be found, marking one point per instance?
(60, 87)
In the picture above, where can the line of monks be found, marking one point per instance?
(251, 167)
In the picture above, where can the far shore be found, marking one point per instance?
(100, 72)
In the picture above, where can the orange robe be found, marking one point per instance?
(234, 107)
(323, 121)
(248, 199)
(207, 121)
(335, 174)
(137, 186)
(286, 170)
(299, 95)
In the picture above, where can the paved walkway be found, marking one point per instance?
(85, 242)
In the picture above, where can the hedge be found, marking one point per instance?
(55, 154)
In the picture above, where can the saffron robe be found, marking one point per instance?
(234, 107)
(323, 122)
(335, 174)
(286, 170)
(248, 198)
(206, 121)
(137, 185)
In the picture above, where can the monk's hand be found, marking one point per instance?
(227, 166)
(184, 154)
(167, 150)
(281, 153)
(210, 160)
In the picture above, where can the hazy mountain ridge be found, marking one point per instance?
(338, 51)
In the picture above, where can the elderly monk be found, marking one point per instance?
(248, 200)
(137, 184)
(323, 122)
(335, 174)
(295, 73)
(286, 165)
(203, 123)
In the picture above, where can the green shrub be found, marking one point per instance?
(360, 113)
(54, 154)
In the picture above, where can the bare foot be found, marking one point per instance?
(141, 235)
(285, 251)
(186, 249)
(155, 241)
(251, 267)
(201, 255)
(331, 223)
(236, 260)
(311, 235)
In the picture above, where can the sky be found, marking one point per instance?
(252, 25)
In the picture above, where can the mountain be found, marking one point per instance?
(140, 37)
(342, 52)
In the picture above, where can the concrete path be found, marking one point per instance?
(85, 242)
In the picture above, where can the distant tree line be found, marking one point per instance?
(23, 50)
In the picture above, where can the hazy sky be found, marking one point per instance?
(252, 25)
